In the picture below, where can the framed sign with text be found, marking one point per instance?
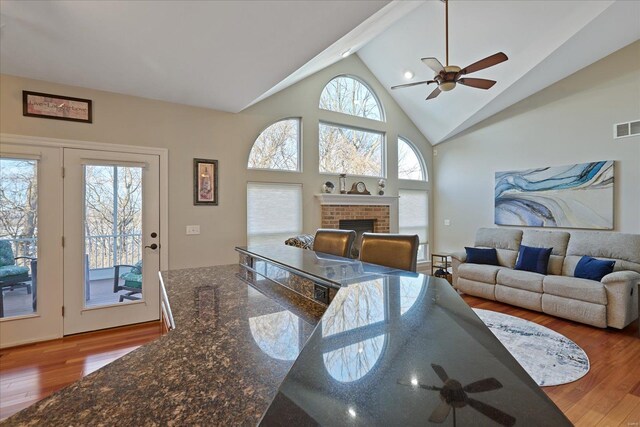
(46, 105)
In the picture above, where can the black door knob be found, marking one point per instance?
(154, 234)
(152, 246)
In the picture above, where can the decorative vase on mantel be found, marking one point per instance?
(343, 183)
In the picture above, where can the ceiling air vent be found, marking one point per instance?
(623, 130)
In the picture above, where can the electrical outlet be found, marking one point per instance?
(193, 229)
(447, 222)
(321, 293)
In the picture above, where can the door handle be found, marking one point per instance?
(152, 246)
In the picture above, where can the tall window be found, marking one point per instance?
(351, 151)
(274, 212)
(414, 214)
(277, 147)
(349, 95)
(345, 149)
(410, 163)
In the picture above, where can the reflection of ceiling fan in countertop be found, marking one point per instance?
(448, 76)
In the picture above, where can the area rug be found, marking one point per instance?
(548, 357)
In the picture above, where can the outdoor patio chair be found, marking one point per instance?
(132, 281)
(14, 276)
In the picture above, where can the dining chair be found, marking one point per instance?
(390, 250)
(334, 242)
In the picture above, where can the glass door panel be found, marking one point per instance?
(30, 244)
(113, 234)
(18, 236)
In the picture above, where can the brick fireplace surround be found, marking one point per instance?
(332, 214)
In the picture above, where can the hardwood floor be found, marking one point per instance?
(31, 372)
(609, 395)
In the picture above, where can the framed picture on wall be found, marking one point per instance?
(46, 105)
(205, 182)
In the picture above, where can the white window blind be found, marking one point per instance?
(274, 212)
(414, 214)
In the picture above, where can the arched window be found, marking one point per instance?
(348, 95)
(277, 147)
(347, 149)
(410, 163)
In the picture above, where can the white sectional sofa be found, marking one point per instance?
(612, 302)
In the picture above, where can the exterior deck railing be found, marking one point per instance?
(104, 251)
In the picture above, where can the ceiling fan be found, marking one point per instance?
(448, 76)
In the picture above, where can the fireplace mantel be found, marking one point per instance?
(356, 199)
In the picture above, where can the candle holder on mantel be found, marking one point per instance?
(343, 183)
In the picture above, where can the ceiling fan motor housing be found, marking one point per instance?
(447, 78)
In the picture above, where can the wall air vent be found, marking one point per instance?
(623, 130)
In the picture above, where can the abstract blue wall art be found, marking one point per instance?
(573, 196)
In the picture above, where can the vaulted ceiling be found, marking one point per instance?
(228, 55)
(215, 54)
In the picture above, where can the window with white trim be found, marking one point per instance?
(349, 95)
(411, 165)
(274, 212)
(346, 149)
(277, 147)
(413, 217)
(351, 151)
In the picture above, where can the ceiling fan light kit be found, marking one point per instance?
(448, 76)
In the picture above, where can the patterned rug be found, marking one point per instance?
(548, 357)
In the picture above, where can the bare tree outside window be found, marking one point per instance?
(410, 165)
(277, 147)
(350, 96)
(350, 151)
(113, 215)
(19, 205)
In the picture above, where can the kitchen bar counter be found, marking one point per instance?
(386, 347)
(395, 348)
(232, 346)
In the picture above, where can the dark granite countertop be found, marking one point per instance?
(393, 348)
(404, 349)
(399, 348)
(222, 365)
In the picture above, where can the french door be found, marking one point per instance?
(30, 244)
(111, 239)
(79, 240)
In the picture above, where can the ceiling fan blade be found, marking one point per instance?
(495, 414)
(413, 84)
(487, 62)
(439, 370)
(477, 83)
(483, 385)
(434, 64)
(440, 413)
(432, 95)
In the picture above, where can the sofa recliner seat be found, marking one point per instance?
(610, 302)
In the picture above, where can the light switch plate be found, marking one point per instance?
(447, 222)
(193, 229)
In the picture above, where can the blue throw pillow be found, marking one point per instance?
(535, 260)
(482, 256)
(593, 269)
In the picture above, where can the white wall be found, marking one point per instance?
(568, 122)
(189, 132)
